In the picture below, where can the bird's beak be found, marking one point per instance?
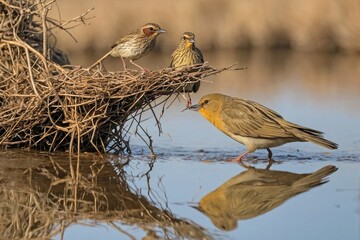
(192, 40)
(160, 31)
(197, 208)
(195, 107)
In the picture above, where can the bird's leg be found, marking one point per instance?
(239, 160)
(124, 64)
(268, 166)
(269, 154)
(271, 161)
(143, 69)
(188, 101)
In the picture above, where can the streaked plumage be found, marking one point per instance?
(187, 54)
(254, 125)
(137, 44)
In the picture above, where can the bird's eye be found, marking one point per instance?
(184, 37)
(206, 101)
(151, 28)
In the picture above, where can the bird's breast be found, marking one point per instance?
(185, 57)
(133, 49)
(214, 118)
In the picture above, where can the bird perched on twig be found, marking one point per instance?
(135, 44)
(255, 126)
(187, 54)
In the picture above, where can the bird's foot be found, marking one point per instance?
(270, 163)
(188, 103)
(245, 165)
(239, 161)
(145, 71)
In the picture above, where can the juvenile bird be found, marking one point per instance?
(135, 44)
(187, 54)
(255, 126)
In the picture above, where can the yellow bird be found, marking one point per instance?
(254, 125)
(235, 199)
(187, 54)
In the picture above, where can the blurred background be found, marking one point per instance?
(305, 25)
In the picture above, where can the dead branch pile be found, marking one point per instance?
(45, 105)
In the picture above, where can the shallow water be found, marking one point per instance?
(174, 196)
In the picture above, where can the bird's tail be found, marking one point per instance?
(316, 178)
(101, 59)
(310, 135)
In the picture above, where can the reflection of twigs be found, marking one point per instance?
(162, 188)
(122, 231)
(148, 176)
(154, 195)
(45, 199)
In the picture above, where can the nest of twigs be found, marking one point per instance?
(48, 106)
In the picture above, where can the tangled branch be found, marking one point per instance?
(45, 105)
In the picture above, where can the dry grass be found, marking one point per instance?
(48, 106)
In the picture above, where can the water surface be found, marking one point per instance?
(175, 196)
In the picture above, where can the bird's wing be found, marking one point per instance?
(121, 41)
(198, 52)
(250, 119)
(172, 59)
(126, 38)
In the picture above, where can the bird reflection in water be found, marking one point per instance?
(255, 192)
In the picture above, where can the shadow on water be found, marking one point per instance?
(255, 192)
(43, 198)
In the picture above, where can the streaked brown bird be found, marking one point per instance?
(255, 126)
(187, 54)
(136, 44)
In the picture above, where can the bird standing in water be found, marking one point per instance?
(254, 125)
(187, 54)
(135, 44)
